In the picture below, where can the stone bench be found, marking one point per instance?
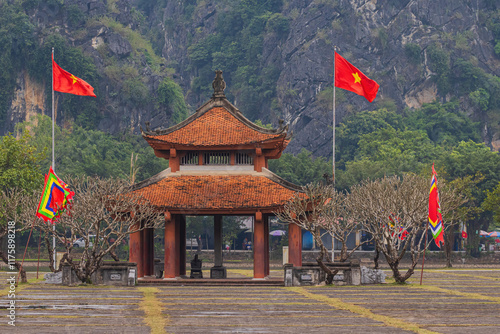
(310, 273)
(110, 273)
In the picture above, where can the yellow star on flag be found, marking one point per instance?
(75, 79)
(356, 77)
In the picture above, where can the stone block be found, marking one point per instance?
(218, 272)
(372, 276)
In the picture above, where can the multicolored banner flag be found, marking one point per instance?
(435, 217)
(402, 232)
(55, 197)
(350, 78)
(66, 82)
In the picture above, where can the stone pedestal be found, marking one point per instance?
(218, 272)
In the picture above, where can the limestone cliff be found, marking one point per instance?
(396, 43)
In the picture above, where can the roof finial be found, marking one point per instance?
(219, 85)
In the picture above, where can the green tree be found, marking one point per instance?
(439, 63)
(386, 152)
(231, 227)
(354, 126)
(19, 164)
(91, 152)
(302, 168)
(492, 203)
(20, 176)
(170, 97)
(444, 123)
(471, 159)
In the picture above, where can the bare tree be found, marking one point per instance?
(394, 210)
(103, 213)
(321, 210)
(19, 207)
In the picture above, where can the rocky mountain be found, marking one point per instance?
(277, 58)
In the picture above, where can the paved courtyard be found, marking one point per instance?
(450, 301)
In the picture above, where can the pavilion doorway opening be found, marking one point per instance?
(223, 243)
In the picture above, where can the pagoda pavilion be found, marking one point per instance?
(217, 166)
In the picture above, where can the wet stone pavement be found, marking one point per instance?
(449, 301)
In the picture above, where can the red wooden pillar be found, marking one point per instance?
(151, 244)
(147, 237)
(178, 245)
(171, 269)
(259, 250)
(266, 243)
(294, 245)
(182, 265)
(135, 249)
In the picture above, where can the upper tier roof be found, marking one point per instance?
(217, 123)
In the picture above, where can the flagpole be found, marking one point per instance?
(423, 256)
(333, 174)
(53, 161)
(425, 247)
(333, 146)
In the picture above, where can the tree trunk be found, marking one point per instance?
(448, 245)
(377, 255)
(17, 265)
(328, 272)
(114, 256)
(398, 277)
(395, 272)
(51, 254)
(200, 245)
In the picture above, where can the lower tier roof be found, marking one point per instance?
(231, 192)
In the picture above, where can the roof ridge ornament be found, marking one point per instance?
(219, 85)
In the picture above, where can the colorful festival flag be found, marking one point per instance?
(402, 232)
(350, 78)
(435, 217)
(66, 82)
(55, 197)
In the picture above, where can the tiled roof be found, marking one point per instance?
(216, 192)
(215, 127)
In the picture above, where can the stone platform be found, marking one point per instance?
(212, 282)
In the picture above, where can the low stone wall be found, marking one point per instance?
(349, 273)
(112, 273)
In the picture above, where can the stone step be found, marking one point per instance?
(212, 282)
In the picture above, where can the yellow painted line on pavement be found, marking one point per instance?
(244, 272)
(462, 325)
(469, 275)
(339, 304)
(256, 303)
(152, 308)
(19, 288)
(193, 298)
(456, 293)
(282, 325)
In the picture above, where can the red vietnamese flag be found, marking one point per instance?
(66, 82)
(464, 234)
(350, 78)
